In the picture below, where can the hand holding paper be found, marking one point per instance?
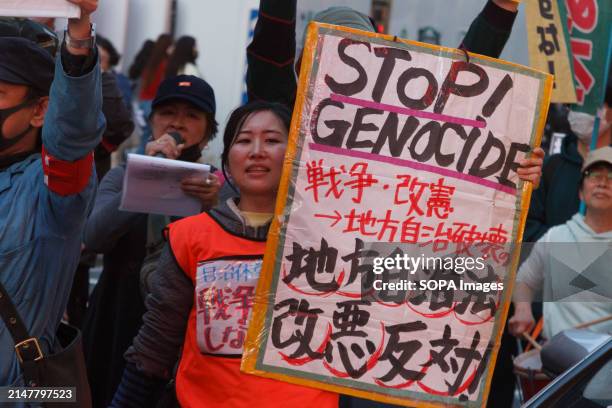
(155, 185)
(80, 28)
(205, 189)
(87, 7)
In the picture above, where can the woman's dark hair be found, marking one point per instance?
(158, 55)
(237, 119)
(182, 54)
(141, 59)
(105, 43)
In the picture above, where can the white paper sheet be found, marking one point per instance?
(39, 8)
(153, 185)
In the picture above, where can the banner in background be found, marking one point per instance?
(396, 148)
(589, 24)
(548, 49)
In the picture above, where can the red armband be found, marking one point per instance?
(64, 177)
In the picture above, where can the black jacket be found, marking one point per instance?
(556, 201)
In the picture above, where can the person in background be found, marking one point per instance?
(109, 58)
(49, 125)
(182, 61)
(140, 60)
(557, 199)
(116, 108)
(128, 240)
(558, 259)
(119, 127)
(36, 31)
(231, 234)
(152, 75)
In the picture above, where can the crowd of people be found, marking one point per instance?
(64, 110)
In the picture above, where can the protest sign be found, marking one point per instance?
(39, 8)
(548, 47)
(396, 147)
(589, 24)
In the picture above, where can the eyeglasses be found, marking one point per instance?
(600, 175)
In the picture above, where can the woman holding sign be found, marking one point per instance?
(215, 258)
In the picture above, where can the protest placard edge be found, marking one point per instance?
(455, 51)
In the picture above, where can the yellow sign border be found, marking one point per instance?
(263, 295)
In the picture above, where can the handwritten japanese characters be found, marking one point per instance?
(588, 23)
(224, 298)
(397, 149)
(548, 47)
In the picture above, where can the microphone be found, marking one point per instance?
(177, 138)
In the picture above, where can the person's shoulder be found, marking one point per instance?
(558, 233)
(192, 226)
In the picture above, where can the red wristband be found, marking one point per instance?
(64, 177)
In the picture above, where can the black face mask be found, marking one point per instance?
(191, 154)
(4, 115)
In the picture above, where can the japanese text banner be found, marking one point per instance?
(396, 148)
(548, 47)
(589, 24)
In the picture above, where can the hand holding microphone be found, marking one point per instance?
(168, 146)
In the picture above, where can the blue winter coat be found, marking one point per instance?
(40, 231)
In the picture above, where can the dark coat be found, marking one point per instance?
(556, 200)
(116, 306)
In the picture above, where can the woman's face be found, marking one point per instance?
(256, 156)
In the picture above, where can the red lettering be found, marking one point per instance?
(583, 14)
(582, 50)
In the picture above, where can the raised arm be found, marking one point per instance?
(119, 123)
(490, 30)
(73, 126)
(74, 123)
(107, 224)
(271, 54)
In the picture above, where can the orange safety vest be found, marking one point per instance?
(224, 269)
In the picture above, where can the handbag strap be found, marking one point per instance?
(27, 348)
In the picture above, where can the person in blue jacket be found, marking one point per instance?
(49, 125)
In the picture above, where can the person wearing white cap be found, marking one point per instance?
(573, 276)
